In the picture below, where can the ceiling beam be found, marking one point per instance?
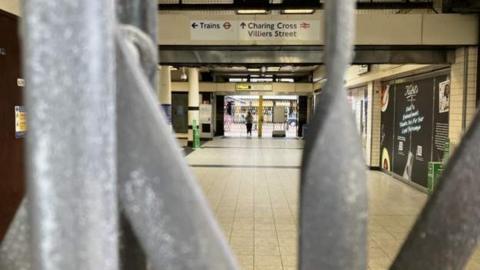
(291, 5)
(461, 6)
(201, 56)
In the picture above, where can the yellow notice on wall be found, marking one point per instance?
(20, 121)
(253, 87)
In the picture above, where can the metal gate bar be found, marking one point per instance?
(333, 206)
(15, 253)
(162, 200)
(75, 146)
(142, 14)
(447, 231)
(71, 146)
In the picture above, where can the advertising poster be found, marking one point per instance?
(414, 125)
(386, 132)
(413, 132)
(441, 121)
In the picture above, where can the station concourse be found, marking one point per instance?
(125, 136)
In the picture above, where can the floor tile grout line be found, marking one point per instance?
(288, 202)
(274, 221)
(223, 191)
(236, 208)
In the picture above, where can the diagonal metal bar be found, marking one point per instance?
(142, 14)
(447, 231)
(162, 201)
(71, 145)
(333, 207)
(139, 19)
(15, 249)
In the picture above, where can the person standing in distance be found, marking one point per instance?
(249, 122)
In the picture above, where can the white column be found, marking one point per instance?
(193, 102)
(165, 91)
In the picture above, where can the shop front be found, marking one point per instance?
(414, 124)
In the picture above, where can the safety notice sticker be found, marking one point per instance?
(20, 121)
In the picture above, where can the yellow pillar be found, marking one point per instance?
(260, 116)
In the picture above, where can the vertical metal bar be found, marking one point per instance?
(15, 248)
(333, 211)
(71, 145)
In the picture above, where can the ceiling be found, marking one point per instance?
(286, 4)
(446, 6)
(224, 73)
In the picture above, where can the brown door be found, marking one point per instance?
(11, 148)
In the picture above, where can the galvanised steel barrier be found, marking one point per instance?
(108, 188)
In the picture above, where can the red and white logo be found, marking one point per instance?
(305, 25)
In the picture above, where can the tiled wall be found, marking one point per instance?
(457, 92)
(375, 113)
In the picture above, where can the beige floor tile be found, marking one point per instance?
(245, 262)
(258, 207)
(268, 261)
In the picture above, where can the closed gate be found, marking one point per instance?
(99, 149)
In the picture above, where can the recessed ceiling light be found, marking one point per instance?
(252, 11)
(298, 11)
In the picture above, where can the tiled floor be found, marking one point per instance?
(253, 185)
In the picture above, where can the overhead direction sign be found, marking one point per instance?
(213, 30)
(252, 30)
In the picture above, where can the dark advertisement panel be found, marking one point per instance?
(414, 125)
(413, 132)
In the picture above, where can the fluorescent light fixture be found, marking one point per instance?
(298, 11)
(261, 80)
(254, 69)
(237, 80)
(252, 11)
(273, 69)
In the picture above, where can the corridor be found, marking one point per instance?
(253, 184)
